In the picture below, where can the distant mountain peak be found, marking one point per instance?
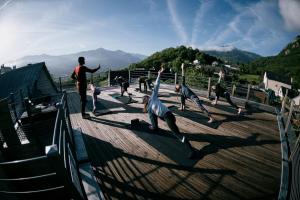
(232, 54)
(63, 64)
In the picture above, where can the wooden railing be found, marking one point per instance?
(287, 118)
(50, 176)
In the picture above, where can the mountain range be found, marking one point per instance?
(234, 55)
(63, 64)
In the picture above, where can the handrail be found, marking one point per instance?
(291, 152)
(33, 191)
(63, 141)
(23, 161)
(28, 178)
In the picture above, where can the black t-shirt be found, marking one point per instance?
(79, 74)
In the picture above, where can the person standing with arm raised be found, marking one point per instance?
(79, 74)
(155, 108)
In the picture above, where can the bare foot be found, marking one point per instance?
(210, 120)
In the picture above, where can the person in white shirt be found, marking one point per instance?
(155, 108)
(95, 92)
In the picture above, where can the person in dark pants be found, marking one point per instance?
(124, 84)
(187, 93)
(155, 108)
(221, 92)
(147, 83)
(79, 74)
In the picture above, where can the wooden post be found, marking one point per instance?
(283, 103)
(149, 74)
(129, 77)
(108, 78)
(60, 86)
(288, 121)
(57, 163)
(248, 92)
(176, 77)
(233, 90)
(209, 88)
(28, 107)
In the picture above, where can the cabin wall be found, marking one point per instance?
(275, 86)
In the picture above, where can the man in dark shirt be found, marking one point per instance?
(187, 93)
(79, 74)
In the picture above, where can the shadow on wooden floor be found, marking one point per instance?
(120, 175)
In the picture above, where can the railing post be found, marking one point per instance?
(248, 92)
(176, 77)
(288, 121)
(129, 78)
(60, 86)
(283, 103)
(108, 78)
(28, 107)
(209, 88)
(149, 74)
(57, 163)
(233, 90)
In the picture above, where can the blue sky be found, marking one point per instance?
(29, 27)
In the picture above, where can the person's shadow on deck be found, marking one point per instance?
(121, 175)
(166, 143)
(218, 142)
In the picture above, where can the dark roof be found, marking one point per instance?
(22, 77)
(279, 78)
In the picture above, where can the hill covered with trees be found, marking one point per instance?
(287, 63)
(174, 57)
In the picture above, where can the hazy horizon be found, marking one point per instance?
(58, 27)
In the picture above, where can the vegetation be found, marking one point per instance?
(250, 78)
(174, 57)
(287, 63)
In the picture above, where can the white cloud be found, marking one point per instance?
(204, 7)
(255, 27)
(219, 48)
(290, 11)
(5, 4)
(176, 22)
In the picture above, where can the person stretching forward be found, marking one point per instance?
(156, 108)
(221, 92)
(187, 93)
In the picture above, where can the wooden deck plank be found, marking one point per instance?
(239, 159)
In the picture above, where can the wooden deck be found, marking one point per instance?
(239, 158)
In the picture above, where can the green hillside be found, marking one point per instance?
(286, 63)
(174, 57)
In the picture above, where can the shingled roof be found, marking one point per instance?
(21, 78)
(279, 78)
